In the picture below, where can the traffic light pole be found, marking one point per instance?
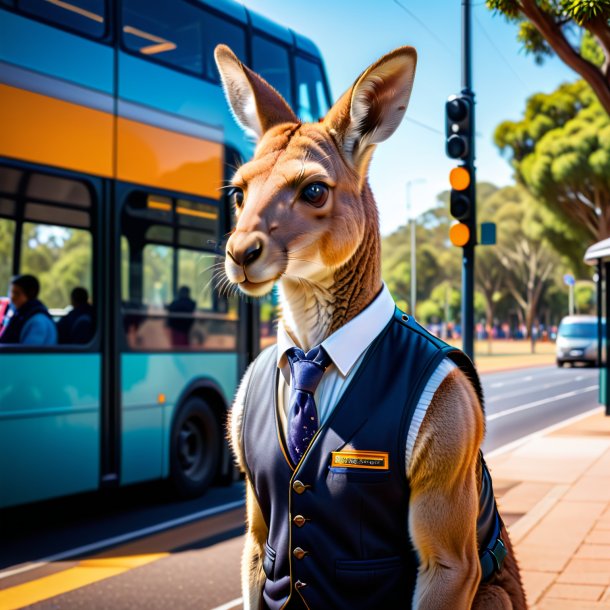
(469, 249)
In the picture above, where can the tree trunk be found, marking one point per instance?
(489, 313)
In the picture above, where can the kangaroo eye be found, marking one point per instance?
(236, 196)
(315, 194)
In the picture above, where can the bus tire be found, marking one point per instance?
(194, 448)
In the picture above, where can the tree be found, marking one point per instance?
(528, 261)
(561, 152)
(576, 30)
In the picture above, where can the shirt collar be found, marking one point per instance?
(348, 343)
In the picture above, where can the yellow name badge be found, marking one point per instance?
(371, 460)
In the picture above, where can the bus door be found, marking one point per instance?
(50, 379)
(179, 329)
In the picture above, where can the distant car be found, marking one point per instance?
(577, 340)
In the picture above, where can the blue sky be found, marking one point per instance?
(353, 34)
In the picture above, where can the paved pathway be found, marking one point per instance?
(554, 494)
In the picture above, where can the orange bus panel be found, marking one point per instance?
(165, 159)
(45, 130)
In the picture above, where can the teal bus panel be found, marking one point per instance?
(152, 385)
(54, 52)
(148, 84)
(49, 425)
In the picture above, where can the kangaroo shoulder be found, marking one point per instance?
(451, 431)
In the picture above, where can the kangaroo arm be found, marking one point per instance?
(444, 498)
(253, 555)
(252, 574)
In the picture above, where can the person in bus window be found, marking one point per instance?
(77, 326)
(180, 317)
(31, 322)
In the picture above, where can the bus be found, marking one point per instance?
(115, 141)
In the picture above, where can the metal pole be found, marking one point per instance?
(468, 257)
(607, 368)
(571, 299)
(413, 268)
(600, 278)
(411, 221)
(466, 46)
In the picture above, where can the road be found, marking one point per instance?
(139, 549)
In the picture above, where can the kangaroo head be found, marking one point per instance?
(304, 211)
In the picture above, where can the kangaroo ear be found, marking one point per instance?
(372, 109)
(256, 105)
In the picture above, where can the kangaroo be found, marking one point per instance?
(307, 221)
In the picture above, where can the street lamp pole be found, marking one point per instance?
(411, 220)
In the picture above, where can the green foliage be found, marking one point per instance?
(585, 10)
(516, 274)
(429, 311)
(560, 150)
(584, 297)
(571, 17)
(590, 49)
(60, 258)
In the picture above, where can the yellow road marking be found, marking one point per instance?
(85, 573)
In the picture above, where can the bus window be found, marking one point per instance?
(217, 31)
(7, 236)
(83, 16)
(269, 314)
(312, 101)
(61, 259)
(271, 61)
(170, 299)
(169, 32)
(51, 217)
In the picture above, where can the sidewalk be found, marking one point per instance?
(554, 495)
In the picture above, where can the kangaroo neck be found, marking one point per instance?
(313, 310)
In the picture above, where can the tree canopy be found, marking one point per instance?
(560, 151)
(577, 31)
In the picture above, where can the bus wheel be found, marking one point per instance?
(195, 448)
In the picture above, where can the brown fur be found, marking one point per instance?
(327, 263)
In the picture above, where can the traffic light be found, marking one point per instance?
(462, 206)
(458, 126)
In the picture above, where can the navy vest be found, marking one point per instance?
(338, 536)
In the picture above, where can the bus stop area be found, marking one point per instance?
(553, 491)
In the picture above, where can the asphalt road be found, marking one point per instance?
(139, 549)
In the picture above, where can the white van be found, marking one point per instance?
(577, 340)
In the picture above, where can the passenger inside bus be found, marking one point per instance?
(180, 318)
(78, 325)
(31, 322)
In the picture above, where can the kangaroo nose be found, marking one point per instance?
(247, 256)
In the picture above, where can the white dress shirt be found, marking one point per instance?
(347, 347)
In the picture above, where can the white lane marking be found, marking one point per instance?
(232, 604)
(524, 439)
(114, 540)
(537, 403)
(517, 379)
(529, 390)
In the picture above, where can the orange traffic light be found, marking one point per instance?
(459, 178)
(459, 234)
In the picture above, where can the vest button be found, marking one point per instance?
(299, 584)
(299, 521)
(299, 487)
(299, 553)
